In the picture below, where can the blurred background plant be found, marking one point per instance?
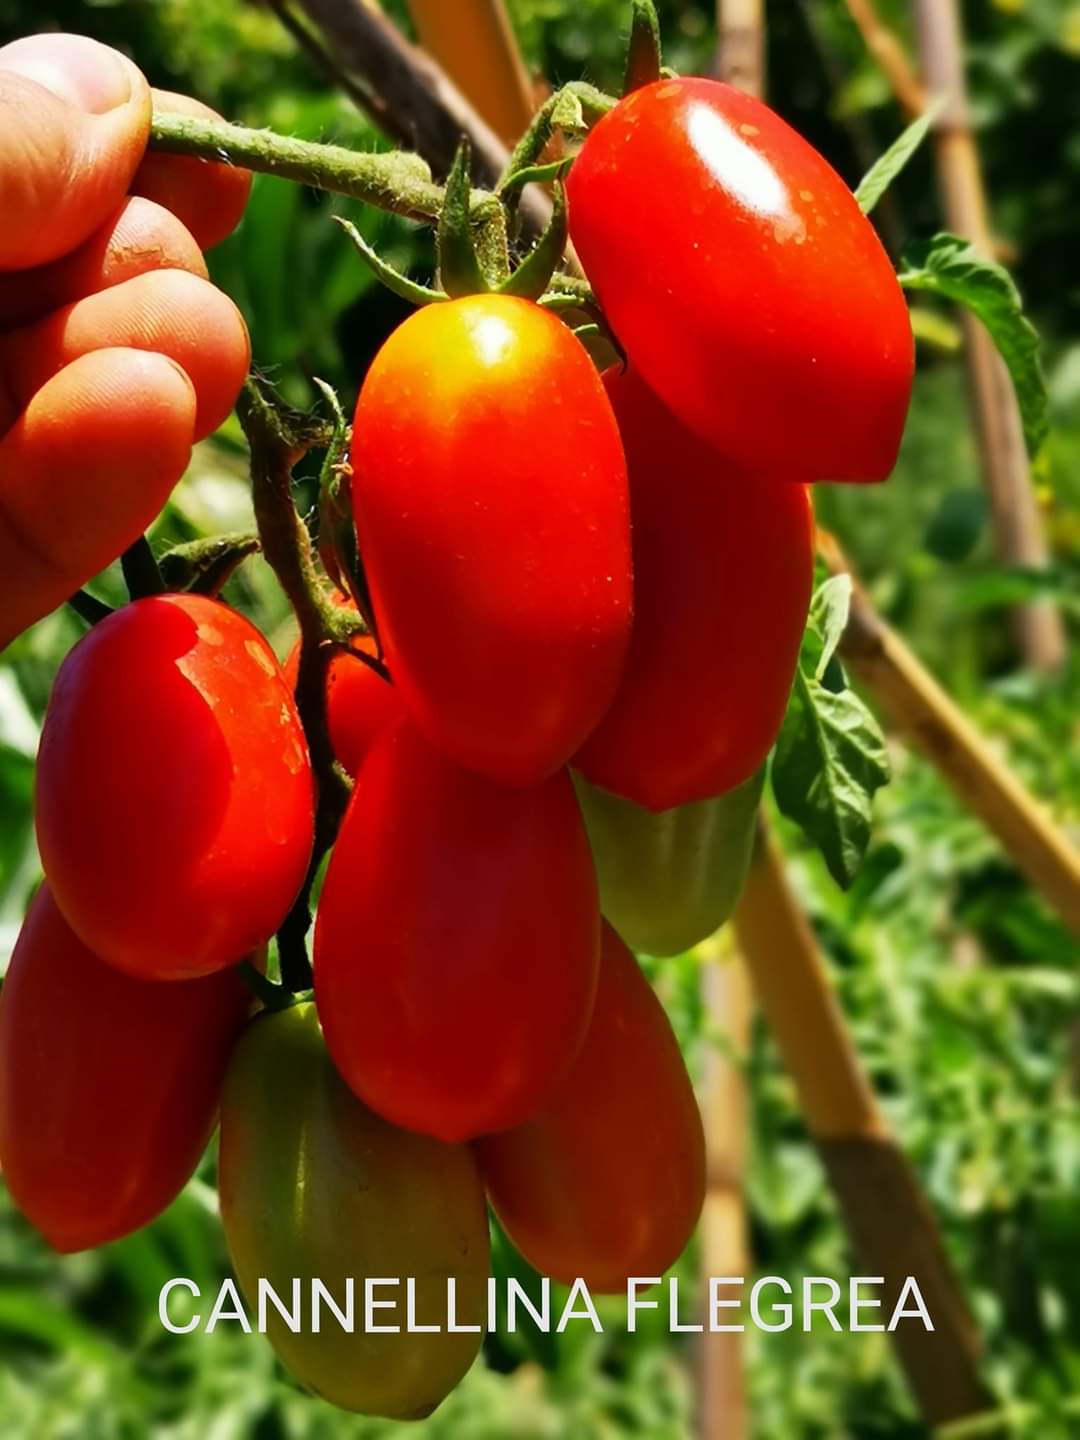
(959, 985)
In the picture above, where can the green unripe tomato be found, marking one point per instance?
(669, 879)
(314, 1185)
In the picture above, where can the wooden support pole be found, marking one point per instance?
(890, 55)
(886, 1214)
(925, 715)
(1017, 523)
(474, 42)
(723, 1410)
(740, 45)
(420, 104)
(1018, 528)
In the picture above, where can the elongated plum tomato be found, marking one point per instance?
(109, 1085)
(670, 879)
(316, 1188)
(174, 792)
(457, 941)
(724, 568)
(359, 702)
(744, 282)
(489, 487)
(607, 1180)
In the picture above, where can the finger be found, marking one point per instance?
(168, 311)
(141, 236)
(84, 472)
(74, 118)
(209, 197)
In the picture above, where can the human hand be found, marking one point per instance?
(116, 352)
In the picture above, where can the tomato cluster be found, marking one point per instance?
(588, 593)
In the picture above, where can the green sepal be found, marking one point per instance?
(532, 277)
(541, 174)
(459, 268)
(394, 281)
(202, 567)
(644, 61)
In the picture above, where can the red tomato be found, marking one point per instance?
(359, 702)
(608, 1179)
(724, 569)
(744, 282)
(174, 791)
(109, 1085)
(489, 490)
(456, 942)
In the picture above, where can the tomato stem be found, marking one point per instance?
(141, 574)
(140, 570)
(272, 997)
(88, 607)
(396, 181)
(278, 438)
(571, 109)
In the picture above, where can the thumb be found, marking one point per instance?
(74, 119)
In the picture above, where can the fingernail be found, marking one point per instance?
(87, 75)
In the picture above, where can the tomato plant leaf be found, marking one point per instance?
(949, 266)
(887, 167)
(830, 758)
(829, 611)
(829, 761)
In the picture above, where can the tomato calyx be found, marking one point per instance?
(196, 567)
(475, 259)
(460, 272)
(204, 567)
(644, 60)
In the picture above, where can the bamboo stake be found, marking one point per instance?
(886, 1215)
(891, 57)
(723, 1412)
(474, 42)
(740, 45)
(420, 100)
(1017, 522)
(723, 1230)
(927, 717)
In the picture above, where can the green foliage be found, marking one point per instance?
(885, 170)
(950, 267)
